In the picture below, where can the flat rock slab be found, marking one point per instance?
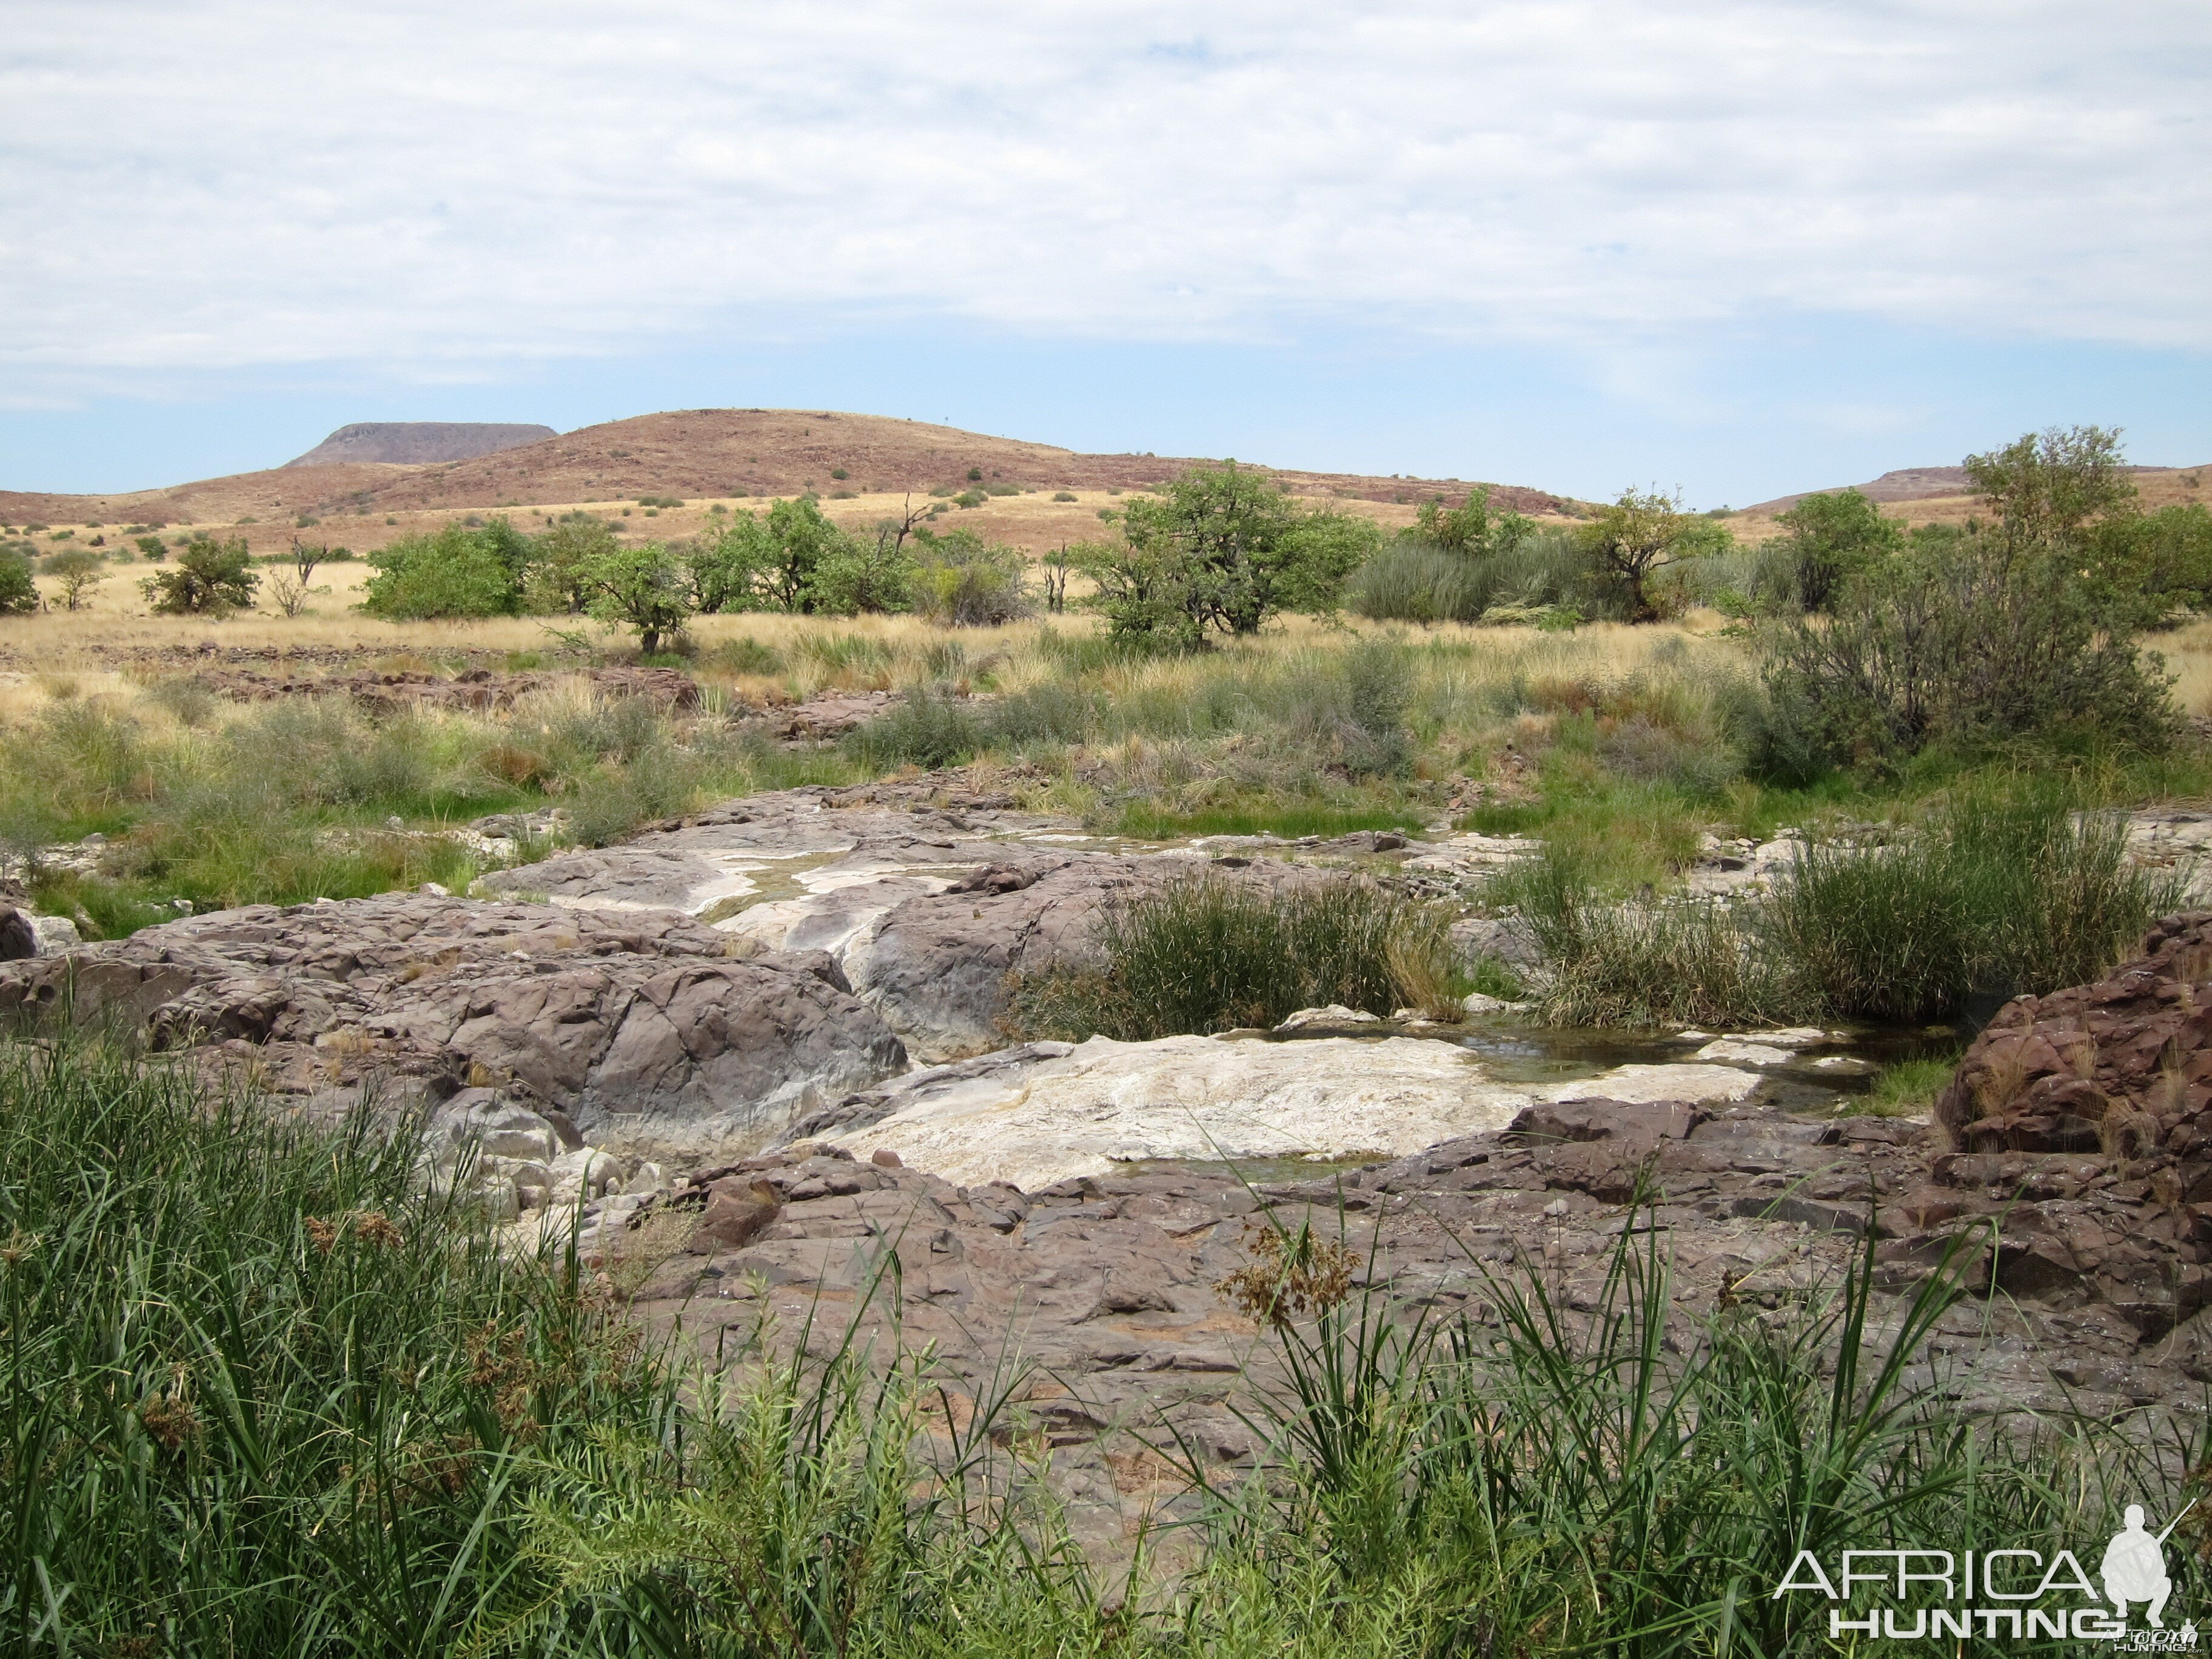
(1057, 1113)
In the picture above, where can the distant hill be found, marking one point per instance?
(782, 451)
(700, 453)
(419, 443)
(1928, 484)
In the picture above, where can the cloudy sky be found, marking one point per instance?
(1734, 245)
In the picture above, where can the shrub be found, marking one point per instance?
(18, 593)
(1203, 954)
(658, 782)
(924, 730)
(1050, 712)
(1063, 495)
(964, 581)
(1961, 641)
(212, 579)
(1350, 710)
(456, 573)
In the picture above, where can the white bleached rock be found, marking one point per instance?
(1744, 1051)
(496, 1126)
(584, 1174)
(56, 934)
(1334, 1013)
(1104, 1103)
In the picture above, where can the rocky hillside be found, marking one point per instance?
(419, 443)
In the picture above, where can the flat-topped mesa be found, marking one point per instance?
(420, 443)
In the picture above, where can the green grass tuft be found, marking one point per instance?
(1204, 954)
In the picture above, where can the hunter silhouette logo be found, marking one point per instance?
(2135, 1566)
(2003, 1593)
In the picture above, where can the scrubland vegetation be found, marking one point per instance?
(1939, 666)
(261, 1394)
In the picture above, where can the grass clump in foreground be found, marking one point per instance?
(258, 1396)
(1206, 954)
(2004, 890)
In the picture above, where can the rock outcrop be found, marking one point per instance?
(1108, 1291)
(2122, 1067)
(646, 1030)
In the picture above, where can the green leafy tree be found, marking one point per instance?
(729, 572)
(1639, 536)
(2046, 487)
(212, 579)
(18, 593)
(152, 548)
(1828, 539)
(559, 559)
(2174, 550)
(77, 569)
(1221, 548)
(647, 587)
(800, 539)
(856, 576)
(456, 571)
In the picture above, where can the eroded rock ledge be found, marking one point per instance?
(1108, 1289)
(638, 1027)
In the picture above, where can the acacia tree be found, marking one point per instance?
(76, 568)
(1223, 548)
(212, 579)
(646, 587)
(1828, 539)
(1638, 537)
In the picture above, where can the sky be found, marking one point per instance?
(1731, 247)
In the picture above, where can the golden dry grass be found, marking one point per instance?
(1031, 523)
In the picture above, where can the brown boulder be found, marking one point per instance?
(2122, 1066)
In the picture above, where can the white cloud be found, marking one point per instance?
(193, 185)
